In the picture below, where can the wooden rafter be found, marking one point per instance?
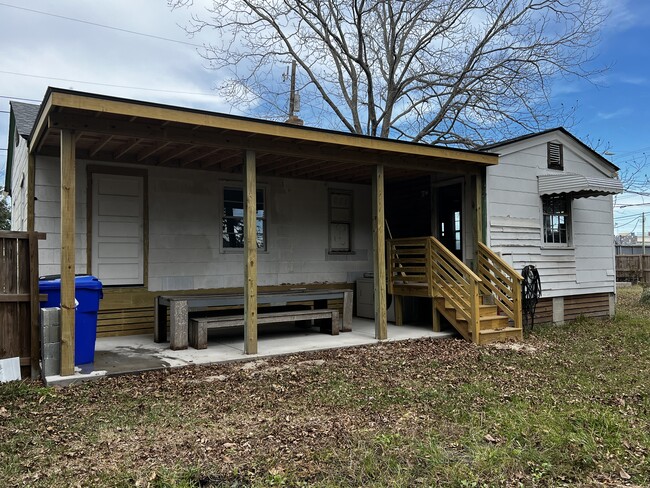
(284, 133)
(98, 147)
(221, 159)
(201, 155)
(153, 150)
(176, 154)
(242, 141)
(126, 148)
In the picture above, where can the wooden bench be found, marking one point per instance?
(180, 306)
(198, 327)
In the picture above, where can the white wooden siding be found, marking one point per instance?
(47, 211)
(19, 185)
(515, 223)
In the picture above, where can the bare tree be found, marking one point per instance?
(634, 176)
(455, 72)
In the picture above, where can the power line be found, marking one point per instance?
(625, 205)
(68, 80)
(632, 151)
(103, 26)
(20, 98)
(627, 223)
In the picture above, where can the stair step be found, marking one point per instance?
(485, 310)
(493, 327)
(496, 335)
(495, 322)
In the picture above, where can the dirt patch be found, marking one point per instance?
(514, 346)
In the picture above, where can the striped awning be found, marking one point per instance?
(578, 186)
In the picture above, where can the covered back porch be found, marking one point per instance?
(270, 221)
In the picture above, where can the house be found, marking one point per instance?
(549, 203)
(152, 199)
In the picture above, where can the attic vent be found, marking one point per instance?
(555, 157)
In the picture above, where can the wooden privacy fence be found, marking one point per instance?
(633, 268)
(19, 299)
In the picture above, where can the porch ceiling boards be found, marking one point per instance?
(128, 131)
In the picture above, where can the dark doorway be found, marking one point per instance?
(408, 207)
(408, 211)
(450, 220)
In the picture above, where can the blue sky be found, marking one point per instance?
(611, 112)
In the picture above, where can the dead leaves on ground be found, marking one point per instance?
(285, 417)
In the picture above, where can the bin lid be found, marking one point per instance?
(80, 282)
(88, 283)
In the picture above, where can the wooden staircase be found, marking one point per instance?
(492, 326)
(424, 267)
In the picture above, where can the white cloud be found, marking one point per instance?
(621, 112)
(633, 80)
(48, 48)
(625, 14)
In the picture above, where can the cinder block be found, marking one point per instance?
(51, 367)
(51, 334)
(50, 316)
(52, 351)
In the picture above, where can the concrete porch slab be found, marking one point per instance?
(137, 353)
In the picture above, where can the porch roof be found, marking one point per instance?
(133, 131)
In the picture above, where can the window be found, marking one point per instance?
(340, 224)
(233, 219)
(555, 156)
(457, 231)
(557, 219)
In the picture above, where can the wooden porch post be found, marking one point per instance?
(250, 254)
(35, 335)
(67, 251)
(31, 189)
(379, 248)
(480, 237)
(477, 198)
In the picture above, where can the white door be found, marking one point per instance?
(117, 238)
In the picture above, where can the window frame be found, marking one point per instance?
(568, 219)
(560, 147)
(238, 185)
(331, 221)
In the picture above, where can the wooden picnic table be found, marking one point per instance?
(181, 305)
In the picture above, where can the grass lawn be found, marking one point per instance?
(569, 408)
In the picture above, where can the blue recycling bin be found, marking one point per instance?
(88, 292)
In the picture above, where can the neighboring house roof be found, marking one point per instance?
(25, 114)
(21, 121)
(598, 156)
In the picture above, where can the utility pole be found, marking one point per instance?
(294, 100)
(643, 233)
(292, 97)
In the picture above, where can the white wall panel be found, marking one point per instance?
(514, 219)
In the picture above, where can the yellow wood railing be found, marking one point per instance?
(501, 281)
(409, 267)
(424, 267)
